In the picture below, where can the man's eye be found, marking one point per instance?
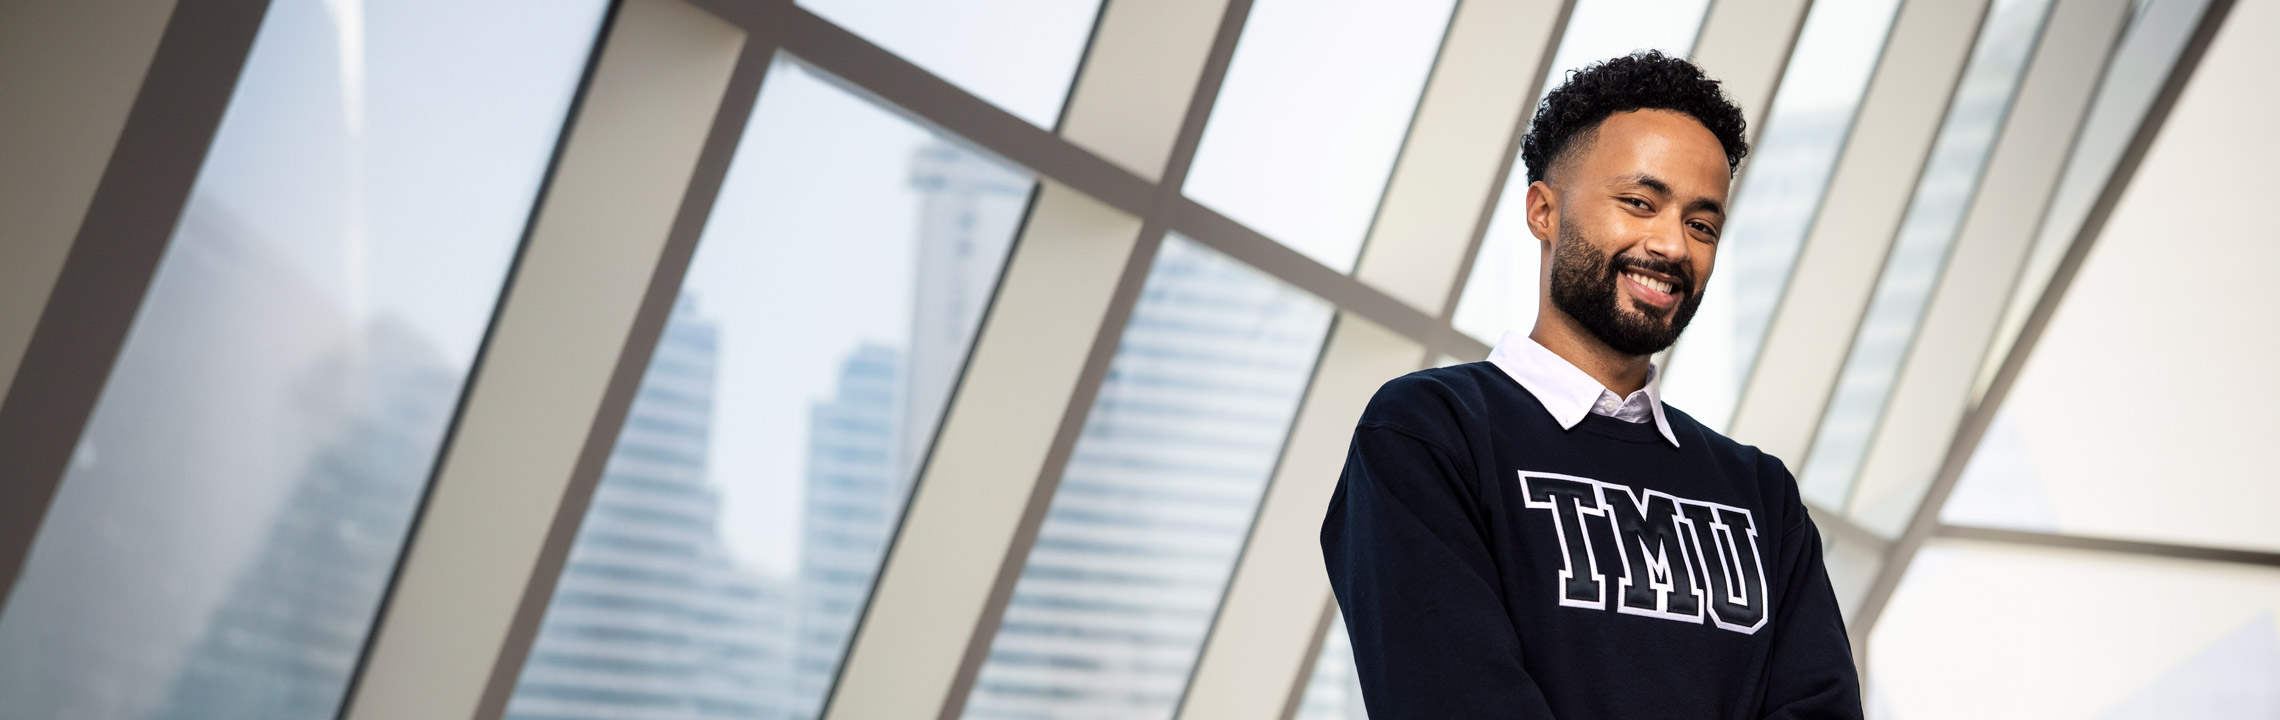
(1634, 202)
(1707, 230)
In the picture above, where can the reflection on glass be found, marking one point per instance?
(1021, 55)
(2157, 34)
(764, 462)
(1912, 268)
(224, 533)
(1313, 112)
(1981, 630)
(1334, 691)
(1774, 204)
(1501, 293)
(1110, 613)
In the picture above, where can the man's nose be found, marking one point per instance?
(1666, 238)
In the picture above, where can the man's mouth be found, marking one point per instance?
(1655, 289)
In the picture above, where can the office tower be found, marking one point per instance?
(867, 440)
(853, 500)
(651, 617)
(1152, 509)
(969, 206)
(285, 640)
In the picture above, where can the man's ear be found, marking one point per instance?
(1543, 211)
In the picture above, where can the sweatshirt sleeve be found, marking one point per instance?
(1413, 573)
(1811, 674)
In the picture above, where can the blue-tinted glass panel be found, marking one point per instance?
(766, 457)
(1136, 548)
(227, 526)
(1021, 55)
(1919, 251)
(1317, 101)
(1781, 189)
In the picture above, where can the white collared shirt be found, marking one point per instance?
(1569, 392)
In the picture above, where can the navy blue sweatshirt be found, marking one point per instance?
(1492, 564)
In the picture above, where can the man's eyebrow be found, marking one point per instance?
(1648, 181)
(1707, 205)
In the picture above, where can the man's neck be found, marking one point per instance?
(1623, 374)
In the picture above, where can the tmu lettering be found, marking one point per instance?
(1683, 560)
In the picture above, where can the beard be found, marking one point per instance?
(1583, 286)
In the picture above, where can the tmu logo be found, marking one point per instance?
(1661, 539)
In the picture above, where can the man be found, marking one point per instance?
(1538, 536)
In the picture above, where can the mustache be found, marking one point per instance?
(1684, 275)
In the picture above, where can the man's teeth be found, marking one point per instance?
(1656, 285)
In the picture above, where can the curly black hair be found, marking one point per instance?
(1569, 116)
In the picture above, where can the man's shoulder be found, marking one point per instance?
(1430, 399)
(1721, 447)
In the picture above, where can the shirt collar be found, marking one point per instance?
(1564, 389)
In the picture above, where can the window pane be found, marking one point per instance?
(2149, 48)
(1021, 55)
(1781, 189)
(1315, 107)
(1912, 268)
(2142, 411)
(1334, 691)
(1501, 294)
(223, 535)
(1110, 613)
(1982, 630)
(764, 463)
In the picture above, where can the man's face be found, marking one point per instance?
(1637, 211)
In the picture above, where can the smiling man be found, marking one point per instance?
(1538, 535)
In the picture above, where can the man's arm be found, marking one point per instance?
(1811, 673)
(1413, 573)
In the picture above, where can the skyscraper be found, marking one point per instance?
(652, 617)
(1126, 574)
(866, 442)
(283, 642)
(853, 500)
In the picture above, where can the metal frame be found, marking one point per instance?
(1931, 390)
(2109, 545)
(100, 284)
(1430, 220)
(1874, 180)
(618, 222)
(586, 306)
(69, 76)
(1925, 522)
(975, 514)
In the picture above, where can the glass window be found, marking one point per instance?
(1775, 201)
(2149, 48)
(1021, 55)
(1334, 691)
(1984, 630)
(1136, 548)
(2140, 413)
(764, 463)
(1501, 294)
(1313, 112)
(222, 538)
(1919, 251)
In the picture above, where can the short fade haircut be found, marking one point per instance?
(1568, 119)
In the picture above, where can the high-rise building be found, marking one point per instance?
(652, 617)
(966, 204)
(1120, 588)
(284, 641)
(866, 442)
(851, 507)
